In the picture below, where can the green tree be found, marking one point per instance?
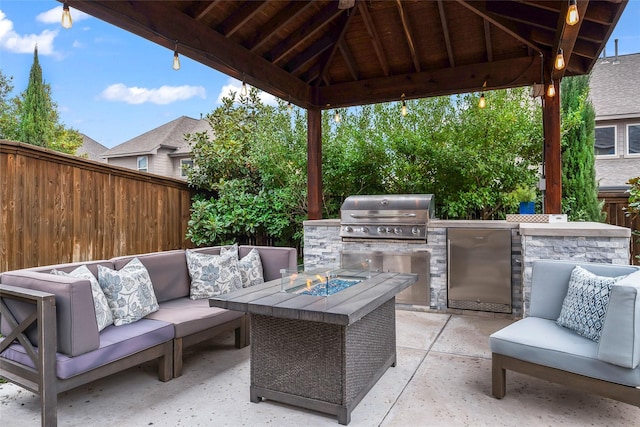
(8, 109)
(579, 186)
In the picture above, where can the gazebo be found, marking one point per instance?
(329, 54)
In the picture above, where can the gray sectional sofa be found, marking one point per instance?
(51, 339)
(597, 349)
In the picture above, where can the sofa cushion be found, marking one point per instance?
(100, 303)
(585, 305)
(542, 341)
(189, 316)
(249, 265)
(129, 292)
(273, 259)
(115, 343)
(212, 275)
(77, 329)
(167, 270)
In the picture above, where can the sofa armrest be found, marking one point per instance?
(77, 328)
(620, 339)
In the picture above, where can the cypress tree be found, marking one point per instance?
(35, 125)
(579, 186)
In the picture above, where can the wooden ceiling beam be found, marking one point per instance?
(507, 27)
(159, 23)
(342, 27)
(487, 40)
(445, 33)
(307, 30)
(598, 11)
(316, 49)
(348, 59)
(445, 81)
(582, 47)
(565, 39)
(375, 39)
(286, 15)
(204, 12)
(408, 34)
(240, 17)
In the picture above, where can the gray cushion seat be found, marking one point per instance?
(542, 341)
(115, 343)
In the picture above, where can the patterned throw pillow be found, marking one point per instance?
(129, 292)
(585, 305)
(103, 312)
(212, 275)
(250, 266)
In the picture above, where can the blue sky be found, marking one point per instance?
(112, 85)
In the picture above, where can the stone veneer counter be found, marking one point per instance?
(581, 241)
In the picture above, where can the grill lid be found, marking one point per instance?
(381, 205)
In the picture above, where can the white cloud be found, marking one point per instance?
(234, 85)
(163, 95)
(54, 16)
(11, 41)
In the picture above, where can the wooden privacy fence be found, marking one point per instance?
(615, 200)
(57, 208)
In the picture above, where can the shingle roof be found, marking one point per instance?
(168, 135)
(92, 148)
(615, 87)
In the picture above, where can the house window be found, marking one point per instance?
(185, 165)
(633, 139)
(605, 141)
(143, 163)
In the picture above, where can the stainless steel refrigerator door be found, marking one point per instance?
(479, 269)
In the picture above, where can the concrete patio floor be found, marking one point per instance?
(443, 378)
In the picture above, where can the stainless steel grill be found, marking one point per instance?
(393, 216)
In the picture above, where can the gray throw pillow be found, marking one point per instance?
(250, 265)
(212, 275)
(129, 292)
(585, 306)
(100, 303)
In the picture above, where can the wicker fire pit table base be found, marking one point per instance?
(324, 367)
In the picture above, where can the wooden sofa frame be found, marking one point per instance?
(43, 379)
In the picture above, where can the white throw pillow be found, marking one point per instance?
(100, 303)
(129, 292)
(212, 275)
(251, 269)
(585, 306)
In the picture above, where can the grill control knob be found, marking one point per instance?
(415, 231)
(397, 230)
(381, 230)
(348, 229)
(389, 230)
(364, 230)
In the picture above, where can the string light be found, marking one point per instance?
(176, 58)
(244, 91)
(483, 102)
(336, 117)
(289, 107)
(67, 22)
(559, 64)
(572, 13)
(403, 111)
(551, 90)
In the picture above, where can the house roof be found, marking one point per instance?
(327, 53)
(91, 148)
(169, 135)
(615, 87)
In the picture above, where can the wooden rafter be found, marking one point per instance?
(487, 40)
(204, 12)
(445, 33)
(408, 34)
(338, 40)
(375, 40)
(285, 16)
(348, 59)
(566, 36)
(241, 16)
(300, 36)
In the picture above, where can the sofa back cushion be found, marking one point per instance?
(550, 282)
(167, 270)
(77, 329)
(71, 266)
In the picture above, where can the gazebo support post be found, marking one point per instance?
(314, 163)
(552, 153)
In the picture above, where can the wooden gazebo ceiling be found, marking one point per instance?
(320, 54)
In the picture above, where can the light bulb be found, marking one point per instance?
(176, 61)
(404, 111)
(336, 117)
(289, 107)
(572, 13)
(483, 102)
(67, 22)
(551, 90)
(559, 64)
(244, 90)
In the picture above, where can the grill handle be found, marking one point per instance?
(383, 215)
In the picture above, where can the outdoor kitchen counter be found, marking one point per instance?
(342, 308)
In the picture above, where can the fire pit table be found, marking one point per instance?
(320, 352)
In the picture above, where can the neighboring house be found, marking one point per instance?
(161, 151)
(615, 93)
(91, 149)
